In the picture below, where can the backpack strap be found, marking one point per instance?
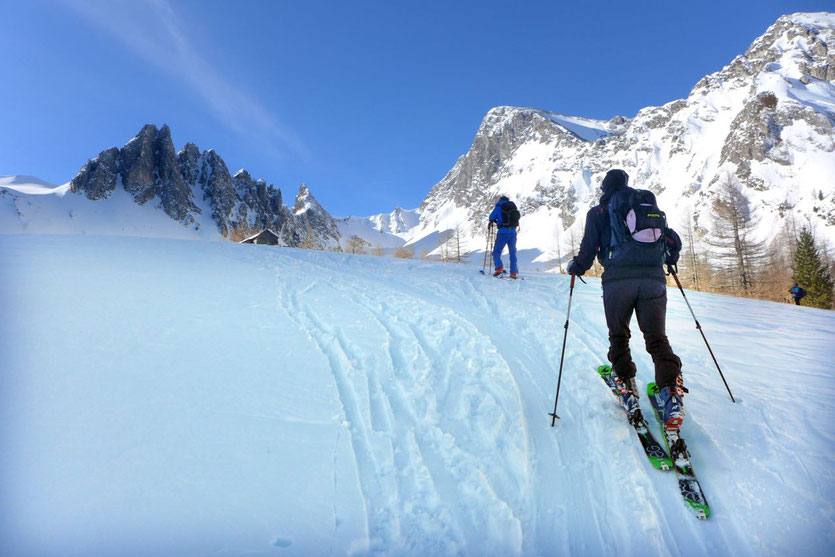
(620, 198)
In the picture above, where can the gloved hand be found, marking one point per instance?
(574, 269)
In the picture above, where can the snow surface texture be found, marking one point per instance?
(171, 397)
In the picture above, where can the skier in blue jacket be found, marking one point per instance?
(506, 236)
(797, 293)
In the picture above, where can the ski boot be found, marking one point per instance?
(498, 272)
(628, 393)
(672, 406)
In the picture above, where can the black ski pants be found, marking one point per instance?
(648, 298)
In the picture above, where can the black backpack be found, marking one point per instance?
(510, 215)
(801, 292)
(638, 226)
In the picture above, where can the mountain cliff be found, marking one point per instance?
(765, 121)
(192, 188)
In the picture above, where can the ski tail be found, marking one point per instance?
(691, 489)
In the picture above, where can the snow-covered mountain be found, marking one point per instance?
(193, 190)
(766, 119)
(385, 230)
(162, 397)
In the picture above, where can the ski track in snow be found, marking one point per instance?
(550, 524)
(637, 502)
(426, 415)
(445, 444)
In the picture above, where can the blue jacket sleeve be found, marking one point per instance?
(496, 214)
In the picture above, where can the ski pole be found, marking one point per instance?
(699, 326)
(487, 249)
(553, 415)
(492, 244)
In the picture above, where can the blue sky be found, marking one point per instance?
(369, 103)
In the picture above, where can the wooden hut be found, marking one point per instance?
(267, 237)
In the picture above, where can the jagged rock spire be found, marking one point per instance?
(150, 169)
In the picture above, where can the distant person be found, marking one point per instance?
(797, 293)
(633, 259)
(506, 217)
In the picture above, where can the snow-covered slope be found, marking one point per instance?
(31, 205)
(28, 184)
(764, 121)
(169, 397)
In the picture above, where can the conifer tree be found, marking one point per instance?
(810, 272)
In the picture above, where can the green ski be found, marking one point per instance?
(691, 489)
(653, 449)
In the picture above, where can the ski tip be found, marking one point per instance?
(701, 512)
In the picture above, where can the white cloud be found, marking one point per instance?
(153, 30)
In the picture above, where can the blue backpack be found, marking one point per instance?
(639, 228)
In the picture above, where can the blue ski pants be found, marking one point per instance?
(505, 237)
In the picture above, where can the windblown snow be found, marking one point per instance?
(172, 397)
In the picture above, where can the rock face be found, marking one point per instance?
(765, 120)
(187, 184)
(99, 177)
(312, 220)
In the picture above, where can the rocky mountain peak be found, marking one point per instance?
(189, 159)
(191, 183)
(304, 200)
(190, 151)
(796, 46)
(766, 119)
(313, 219)
(808, 36)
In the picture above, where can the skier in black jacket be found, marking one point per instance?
(626, 287)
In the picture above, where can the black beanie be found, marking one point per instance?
(615, 179)
(504, 198)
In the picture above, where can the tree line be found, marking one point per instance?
(731, 259)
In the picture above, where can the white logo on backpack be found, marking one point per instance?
(646, 235)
